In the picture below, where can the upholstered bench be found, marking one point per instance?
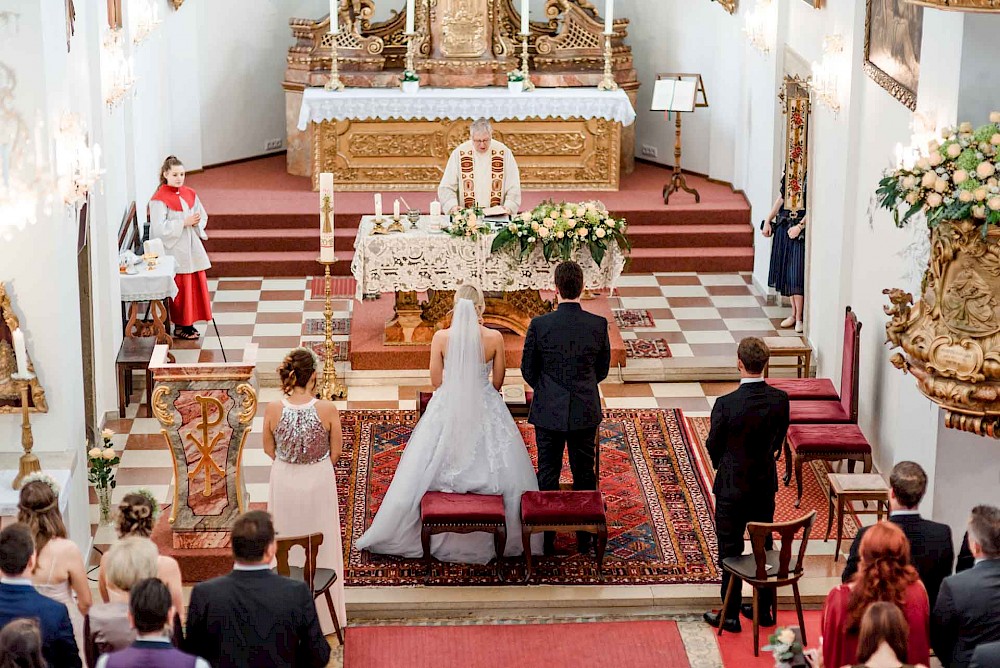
(808, 389)
(564, 511)
(830, 442)
(444, 512)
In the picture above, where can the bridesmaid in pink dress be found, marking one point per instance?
(302, 435)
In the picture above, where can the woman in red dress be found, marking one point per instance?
(177, 217)
(884, 574)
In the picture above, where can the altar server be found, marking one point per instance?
(177, 217)
(481, 172)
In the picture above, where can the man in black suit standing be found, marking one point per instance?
(19, 598)
(253, 616)
(931, 549)
(748, 429)
(566, 354)
(967, 612)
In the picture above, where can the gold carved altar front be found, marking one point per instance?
(414, 321)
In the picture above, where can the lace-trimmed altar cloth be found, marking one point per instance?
(498, 104)
(428, 259)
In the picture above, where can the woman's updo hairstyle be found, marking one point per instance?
(135, 516)
(38, 507)
(471, 292)
(168, 164)
(296, 369)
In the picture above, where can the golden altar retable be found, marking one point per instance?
(566, 50)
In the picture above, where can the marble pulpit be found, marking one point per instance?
(206, 412)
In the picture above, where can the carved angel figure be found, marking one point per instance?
(968, 303)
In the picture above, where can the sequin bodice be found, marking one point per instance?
(300, 436)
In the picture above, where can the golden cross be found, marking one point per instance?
(205, 446)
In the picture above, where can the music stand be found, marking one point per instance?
(678, 93)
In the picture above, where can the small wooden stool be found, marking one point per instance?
(790, 346)
(135, 353)
(850, 487)
(564, 511)
(444, 512)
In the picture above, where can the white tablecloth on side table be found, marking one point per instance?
(147, 285)
(9, 497)
(431, 104)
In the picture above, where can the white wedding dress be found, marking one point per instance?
(466, 442)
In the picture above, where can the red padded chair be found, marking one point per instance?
(806, 389)
(444, 512)
(844, 409)
(830, 442)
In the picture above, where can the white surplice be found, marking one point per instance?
(450, 190)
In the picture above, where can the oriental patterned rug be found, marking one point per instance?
(341, 287)
(647, 348)
(319, 347)
(627, 318)
(660, 525)
(815, 487)
(317, 326)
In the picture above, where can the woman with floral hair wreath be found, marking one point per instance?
(59, 570)
(137, 514)
(302, 435)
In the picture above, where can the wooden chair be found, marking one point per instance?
(134, 354)
(770, 569)
(319, 580)
(446, 512)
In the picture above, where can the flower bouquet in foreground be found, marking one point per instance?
(561, 228)
(956, 180)
(785, 646)
(467, 223)
(101, 473)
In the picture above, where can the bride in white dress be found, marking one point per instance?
(466, 442)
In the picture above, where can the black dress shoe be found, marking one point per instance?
(728, 625)
(765, 619)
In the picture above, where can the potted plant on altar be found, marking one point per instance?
(949, 337)
(409, 82)
(101, 474)
(515, 81)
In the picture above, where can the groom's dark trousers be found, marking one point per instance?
(566, 354)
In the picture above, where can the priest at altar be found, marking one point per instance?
(481, 171)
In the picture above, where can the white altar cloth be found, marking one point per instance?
(146, 285)
(498, 104)
(428, 259)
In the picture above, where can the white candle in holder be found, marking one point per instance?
(378, 205)
(524, 17)
(395, 208)
(435, 208)
(334, 18)
(326, 235)
(609, 10)
(411, 12)
(20, 352)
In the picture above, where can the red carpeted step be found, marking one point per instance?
(689, 236)
(276, 240)
(646, 260)
(298, 263)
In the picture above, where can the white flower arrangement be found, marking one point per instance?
(783, 645)
(561, 228)
(41, 477)
(467, 223)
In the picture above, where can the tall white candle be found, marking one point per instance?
(609, 11)
(524, 17)
(326, 236)
(334, 17)
(395, 208)
(411, 12)
(20, 352)
(378, 205)
(435, 208)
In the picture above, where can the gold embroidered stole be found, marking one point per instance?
(467, 178)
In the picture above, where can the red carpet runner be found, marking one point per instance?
(737, 648)
(584, 645)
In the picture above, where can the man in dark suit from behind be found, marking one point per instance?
(931, 549)
(967, 612)
(567, 353)
(19, 598)
(748, 430)
(253, 616)
(986, 655)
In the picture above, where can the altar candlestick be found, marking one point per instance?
(378, 205)
(334, 18)
(326, 236)
(435, 208)
(524, 17)
(395, 208)
(411, 12)
(20, 352)
(609, 10)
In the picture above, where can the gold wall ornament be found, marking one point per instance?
(249, 402)
(463, 27)
(950, 339)
(980, 6)
(893, 33)
(730, 5)
(176, 4)
(162, 411)
(11, 391)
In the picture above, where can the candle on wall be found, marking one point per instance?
(395, 208)
(609, 10)
(411, 12)
(378, 205)
(524, 17)
(326, 236)
(334, 17)
(20, 352)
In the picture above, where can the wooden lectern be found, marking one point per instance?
(678, 93)
(206, 411)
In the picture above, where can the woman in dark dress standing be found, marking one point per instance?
(788, 254)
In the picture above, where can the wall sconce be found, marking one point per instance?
(144, 16)
(117, 69)
(825, 80)
(761, 24)
(77, 164)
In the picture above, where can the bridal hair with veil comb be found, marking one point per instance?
(471, 292)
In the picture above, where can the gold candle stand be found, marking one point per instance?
(608, 82)
(528, 86)
(334, 84)
(28, 463)
(329, 387)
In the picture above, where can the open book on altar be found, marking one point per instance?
(496, 214)
(513, 394)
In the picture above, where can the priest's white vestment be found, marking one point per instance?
(486, 179)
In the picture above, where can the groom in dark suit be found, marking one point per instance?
(566, 354)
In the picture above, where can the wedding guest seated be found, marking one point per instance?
(150, 610)
(137, 515)
(108, 629)
(59, 572)
(884, 574)
(986, 655)
(253, 616)
(882, 640)
(967, 612)
(21, 645)
(19, 598)
(965, 560)
(931, 550)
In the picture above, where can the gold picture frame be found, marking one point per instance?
(815, 4)
(176, 4)
(893, 31)
(728, 5)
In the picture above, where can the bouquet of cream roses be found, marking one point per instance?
(956, 180)
(102, 462)
(561, 228)
(784, 646)
(467, 223)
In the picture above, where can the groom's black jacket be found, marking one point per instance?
(566, 354)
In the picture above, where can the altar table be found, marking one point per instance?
(383, 139)
(155, 286)
(428, 260)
